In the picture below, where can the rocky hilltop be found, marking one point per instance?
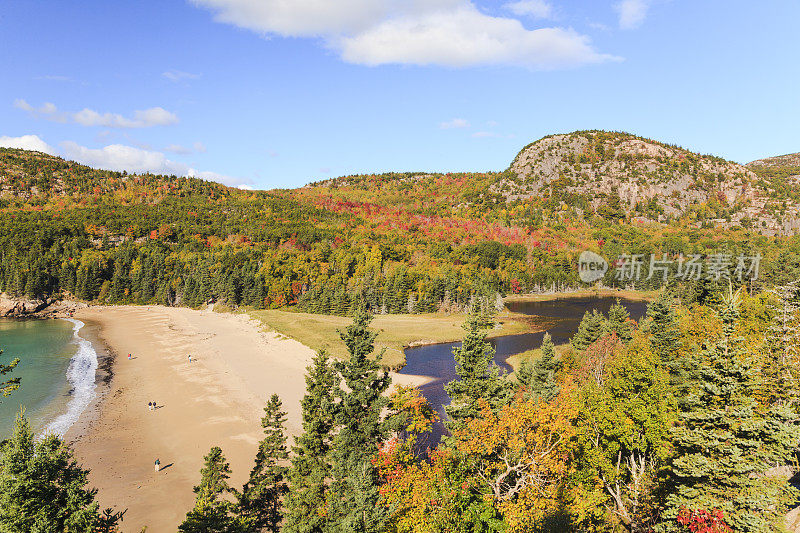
(618, 173)
(789, 162)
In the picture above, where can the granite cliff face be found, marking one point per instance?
(650, 180)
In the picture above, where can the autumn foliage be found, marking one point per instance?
(702, 521)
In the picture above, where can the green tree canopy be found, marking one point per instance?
(478, 376)
(212, 513)
(724, 442)
(43, 489)
(305, 504)
(9, 385)
(260, 500)
(354, 489)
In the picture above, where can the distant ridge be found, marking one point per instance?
(614, 175)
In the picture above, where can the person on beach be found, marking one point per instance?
(129, 357)
(154, 405)
(158, 465)
(149, 406)
(190, 358)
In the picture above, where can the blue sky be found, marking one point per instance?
(276, 93)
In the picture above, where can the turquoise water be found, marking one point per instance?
(45, 349)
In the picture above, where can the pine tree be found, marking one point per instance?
(619, 322)
(9, 385)
(664, 332)
(118, 282)
(593, 326)
(544, 382)
(479, 377)
(782, 343)
(304, 508)
(539, 379)
(43, 489)
(665, 343)
(260, 501)
(724, 443)
(524, 374)
(354, 494)
(211, 513)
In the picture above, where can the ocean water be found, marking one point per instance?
(57, 368)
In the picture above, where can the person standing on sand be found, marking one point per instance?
(158, 465)
(149, 406)
(154, 405)
(190, 358)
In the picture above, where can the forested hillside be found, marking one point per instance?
(400, 242)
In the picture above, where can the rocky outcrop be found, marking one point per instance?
(12, 307)
(649, 180)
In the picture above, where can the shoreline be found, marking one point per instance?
(106, 358)
(217, 399)
(583, 293)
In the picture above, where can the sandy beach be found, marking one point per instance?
(217, 399)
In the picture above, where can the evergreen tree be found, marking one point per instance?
(782, 343)
(619, 322)
(260, 501)
(211, 513)
(9, 385)
(593, 326)
(118, 282)
(664, 332)
(544, 384)
(479, 377)
(724, 443)
(304, 508)
(524, 373)
(43, 489)
(665, 343)
(354, 494)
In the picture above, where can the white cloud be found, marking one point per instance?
(456, 123)
(19, 103)
(121, 157)
(452, 33)
(154, 116)
(179, 75)
(27, 142)
(299, 18)
(486, 135)
(534, 8)
(631, 13)
(466, 37)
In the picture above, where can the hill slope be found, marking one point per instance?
(592, 174)
(647, 179)
(410, 242)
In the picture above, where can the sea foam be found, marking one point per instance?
(81, 378)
